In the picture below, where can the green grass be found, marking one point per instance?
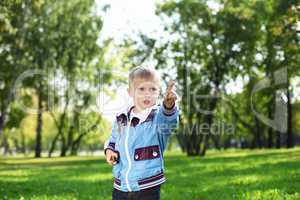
(233, 174)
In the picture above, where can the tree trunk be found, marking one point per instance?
(70, 136)
(59, 124)
(53, 144)
(23, 144)
(258, 141)
(226, 142)
(270, 129)
(189, 138)
(208, 119)
(74, 148)
(278, 139)
(290, 137)
(2, 119)
(38, 139)
(63, 149)
(76, 142)
(5, 145)
(67, 144)
(216, 140)
(3, 116)
(193, 141)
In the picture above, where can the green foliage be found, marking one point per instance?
(211, 47)
(60, 40)
(208, 49)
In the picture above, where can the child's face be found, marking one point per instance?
(144, 92)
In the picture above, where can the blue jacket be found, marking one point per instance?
(140, 147)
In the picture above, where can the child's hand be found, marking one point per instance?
(111, 157)
(171, 96)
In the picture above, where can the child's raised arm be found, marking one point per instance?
(170, 96)
(168, 114)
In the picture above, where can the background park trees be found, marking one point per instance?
(217, 46)
(50, 49)
(236, 65)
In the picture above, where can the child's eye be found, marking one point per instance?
(141, 88)
(153, 89)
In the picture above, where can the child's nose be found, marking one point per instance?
(147, 91)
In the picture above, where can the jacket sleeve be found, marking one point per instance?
(167, 122)
(111, 142)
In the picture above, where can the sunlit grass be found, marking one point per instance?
(231, 174)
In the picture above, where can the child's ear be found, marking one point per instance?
(129, 92)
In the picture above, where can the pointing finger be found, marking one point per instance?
(171, 84)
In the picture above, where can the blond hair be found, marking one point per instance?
(143, 73)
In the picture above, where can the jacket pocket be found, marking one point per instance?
(147, 153)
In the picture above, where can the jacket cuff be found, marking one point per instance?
(169, 111)
(118, 157)
(110, 145)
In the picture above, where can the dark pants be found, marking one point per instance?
(146, 194)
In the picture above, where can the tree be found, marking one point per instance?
(47, 39)
(208, 51)
(80, 63)
(212, 46)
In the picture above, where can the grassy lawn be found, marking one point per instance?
(232, 174)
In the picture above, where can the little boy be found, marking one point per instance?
(139, 137)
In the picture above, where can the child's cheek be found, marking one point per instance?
(139, 95)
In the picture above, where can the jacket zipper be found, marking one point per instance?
(128, 157)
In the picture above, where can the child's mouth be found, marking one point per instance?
(146, 102)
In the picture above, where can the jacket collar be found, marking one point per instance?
(124, 116)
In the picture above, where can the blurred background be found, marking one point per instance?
(63, 77)
(64, 67)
